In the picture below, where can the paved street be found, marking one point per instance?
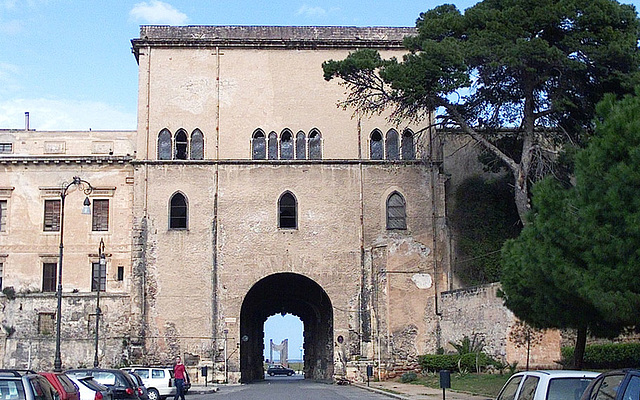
(288, 388)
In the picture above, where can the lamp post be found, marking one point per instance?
(226, 360)
(87, 189)
(102, 262)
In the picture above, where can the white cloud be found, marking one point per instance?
(157, 12)
(60, 114)
(309, 11)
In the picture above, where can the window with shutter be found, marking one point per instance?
(49, 277)
(51, 215)
(100, 219)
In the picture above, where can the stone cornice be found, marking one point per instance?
(68, 160)
(271, 37)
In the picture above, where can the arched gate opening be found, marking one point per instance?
(287, 293)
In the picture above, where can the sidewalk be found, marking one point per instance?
(400, 390)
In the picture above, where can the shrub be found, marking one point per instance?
(474, 362)
(437, 362)
(606, 356)
(408, 377)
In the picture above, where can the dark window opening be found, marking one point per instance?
(408, 149)
(258, 144)
(3, 215)
(46, 323)
(96, 269)
(287, 212)
(178, 212)
(286, 145)
(52, 215)
(315, 145)
(301, 146)
(197, 145)
(164, 145)
(273, 146)
(100, 218)
(375, 146)
(396, 212)
(181, 145)
(392, 145)
(120, 273)
(49, 277)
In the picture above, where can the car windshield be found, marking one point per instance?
(567, 388)
(11, 390)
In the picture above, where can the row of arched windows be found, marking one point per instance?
(392, 147)
(396, 215)
(286, 147)
(180, 146)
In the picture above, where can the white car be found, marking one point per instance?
(90, 389)
(158, 381)
(546, 385)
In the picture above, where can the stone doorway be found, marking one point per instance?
(294, 294)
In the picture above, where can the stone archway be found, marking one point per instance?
(287, 293)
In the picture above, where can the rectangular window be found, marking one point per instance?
(120, 273)
(52, 215)
(49, 277)
(46, 323)
(100, 271)
(100, 215)
(3, 215)
(6, 148)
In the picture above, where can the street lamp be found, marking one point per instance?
(101, 264)
(87, 189)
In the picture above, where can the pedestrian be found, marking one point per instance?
(180, 376)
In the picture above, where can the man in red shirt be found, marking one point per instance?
(180, 378)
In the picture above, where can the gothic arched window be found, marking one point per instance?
(178, 212)
(287, 211)
(376, 149)
(408, 149)
(301, 146)
(181, 145)
(164, 145)
(315, 145)
(273, 146)
(391, 145)
(396, 212)
(197, 145)
(258, 145)
(286, 145)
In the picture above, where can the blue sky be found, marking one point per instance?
(69, 62)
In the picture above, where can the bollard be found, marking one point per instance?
(445, 381)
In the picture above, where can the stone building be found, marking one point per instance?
(245, 192)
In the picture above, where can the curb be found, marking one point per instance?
(203, 390)
(379, 391)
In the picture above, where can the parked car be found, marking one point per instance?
(65, 386)
(120, 382)
(278, 369)
(90, 389)
(25, 385)
(143, 393)
(158, 381)
(621, 384)
(546, 385)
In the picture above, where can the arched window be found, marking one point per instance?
(287, 211)
(301, 146)
(408, 149)
(178, 212)
(376, 150)
(392, 145)
(286, 145)
(181, 145)
(273, 146)
(197, 145)
(396, 212)
(315, 145)
(258, 145)
(164, 145)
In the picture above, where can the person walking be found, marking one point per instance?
(180, 376)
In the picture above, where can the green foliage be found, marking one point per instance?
(437, 362)
(607, 356)
(474, 362)
(484, 217)
(10, 292)
(408, 377)
(469, 345)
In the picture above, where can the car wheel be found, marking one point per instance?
(153, 394)
(290, 373)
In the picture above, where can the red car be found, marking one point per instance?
(65, 387)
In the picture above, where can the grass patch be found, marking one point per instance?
(478, 384)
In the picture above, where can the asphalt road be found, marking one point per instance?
(288, 388)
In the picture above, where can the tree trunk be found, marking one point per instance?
(581, 344)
